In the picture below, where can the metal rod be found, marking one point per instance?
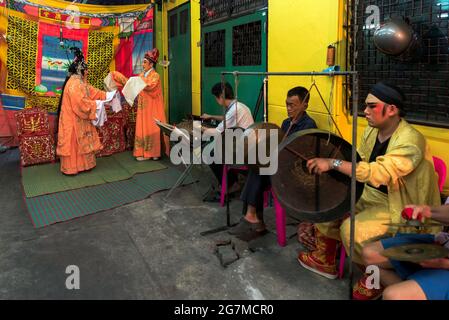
(355, 110)
(355, 97)
(317, 176)
(333, 73)
(223, 92)
(297, 153)
(265, 91)
(328, 111)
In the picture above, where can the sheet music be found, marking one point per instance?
(178, 131)
(132, 89)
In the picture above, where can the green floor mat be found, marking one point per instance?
(46, 179)
(63, 206)
(133, 166)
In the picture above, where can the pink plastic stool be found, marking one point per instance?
(280, 217)
(441, 170)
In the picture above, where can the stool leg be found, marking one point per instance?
(280, 222)
(223, 185)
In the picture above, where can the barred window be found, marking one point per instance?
(247, 44)
(214, 48)
(220, 10)
(184, 21)
(425, 81)
(173, 25)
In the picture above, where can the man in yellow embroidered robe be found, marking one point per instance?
(397, 170)
(147, 143)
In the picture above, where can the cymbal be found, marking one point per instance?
(413, 223)
(416, 252)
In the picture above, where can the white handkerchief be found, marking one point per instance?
(100, 114)
(109, 83)
(132, 89)
(110, 95)
(116, 103)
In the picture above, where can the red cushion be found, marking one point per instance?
(112, 135)
(36, 149)
(32, 122)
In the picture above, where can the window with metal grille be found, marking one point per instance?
(247, 44)
(173, 25)
(214, 48)
(183, 21)
(219, 10)
(424, 80)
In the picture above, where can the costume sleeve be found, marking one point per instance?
(152, 81)
(96, 94)
(82, 106)
(119, 78)
(85, 109)
(400, 161)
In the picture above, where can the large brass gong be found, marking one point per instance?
(314, 198)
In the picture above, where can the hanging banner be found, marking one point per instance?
(35, 42)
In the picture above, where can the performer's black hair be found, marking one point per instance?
(217, 90)
(78, 66)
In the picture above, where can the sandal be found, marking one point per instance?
(245, 227)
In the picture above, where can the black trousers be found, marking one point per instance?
(252, 193)
(217, 169)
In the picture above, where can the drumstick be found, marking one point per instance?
(297, 153)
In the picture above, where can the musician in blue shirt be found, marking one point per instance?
(252, 224)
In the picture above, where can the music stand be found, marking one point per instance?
(167, 129)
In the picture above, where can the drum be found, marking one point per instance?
(314, 198)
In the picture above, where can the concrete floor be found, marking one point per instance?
(146, 250)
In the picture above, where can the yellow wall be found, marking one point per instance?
(298, 35)
(195, 49)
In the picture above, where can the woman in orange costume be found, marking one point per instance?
(150, 106)
(78, 140)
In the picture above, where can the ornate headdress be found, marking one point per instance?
(152, 55)
(78, 66)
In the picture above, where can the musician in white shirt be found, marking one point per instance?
(238, 115)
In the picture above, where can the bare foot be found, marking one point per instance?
(142, 159)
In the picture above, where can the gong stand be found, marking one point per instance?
(355, 98)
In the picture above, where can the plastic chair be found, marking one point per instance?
(441, 169)
(280, 217)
